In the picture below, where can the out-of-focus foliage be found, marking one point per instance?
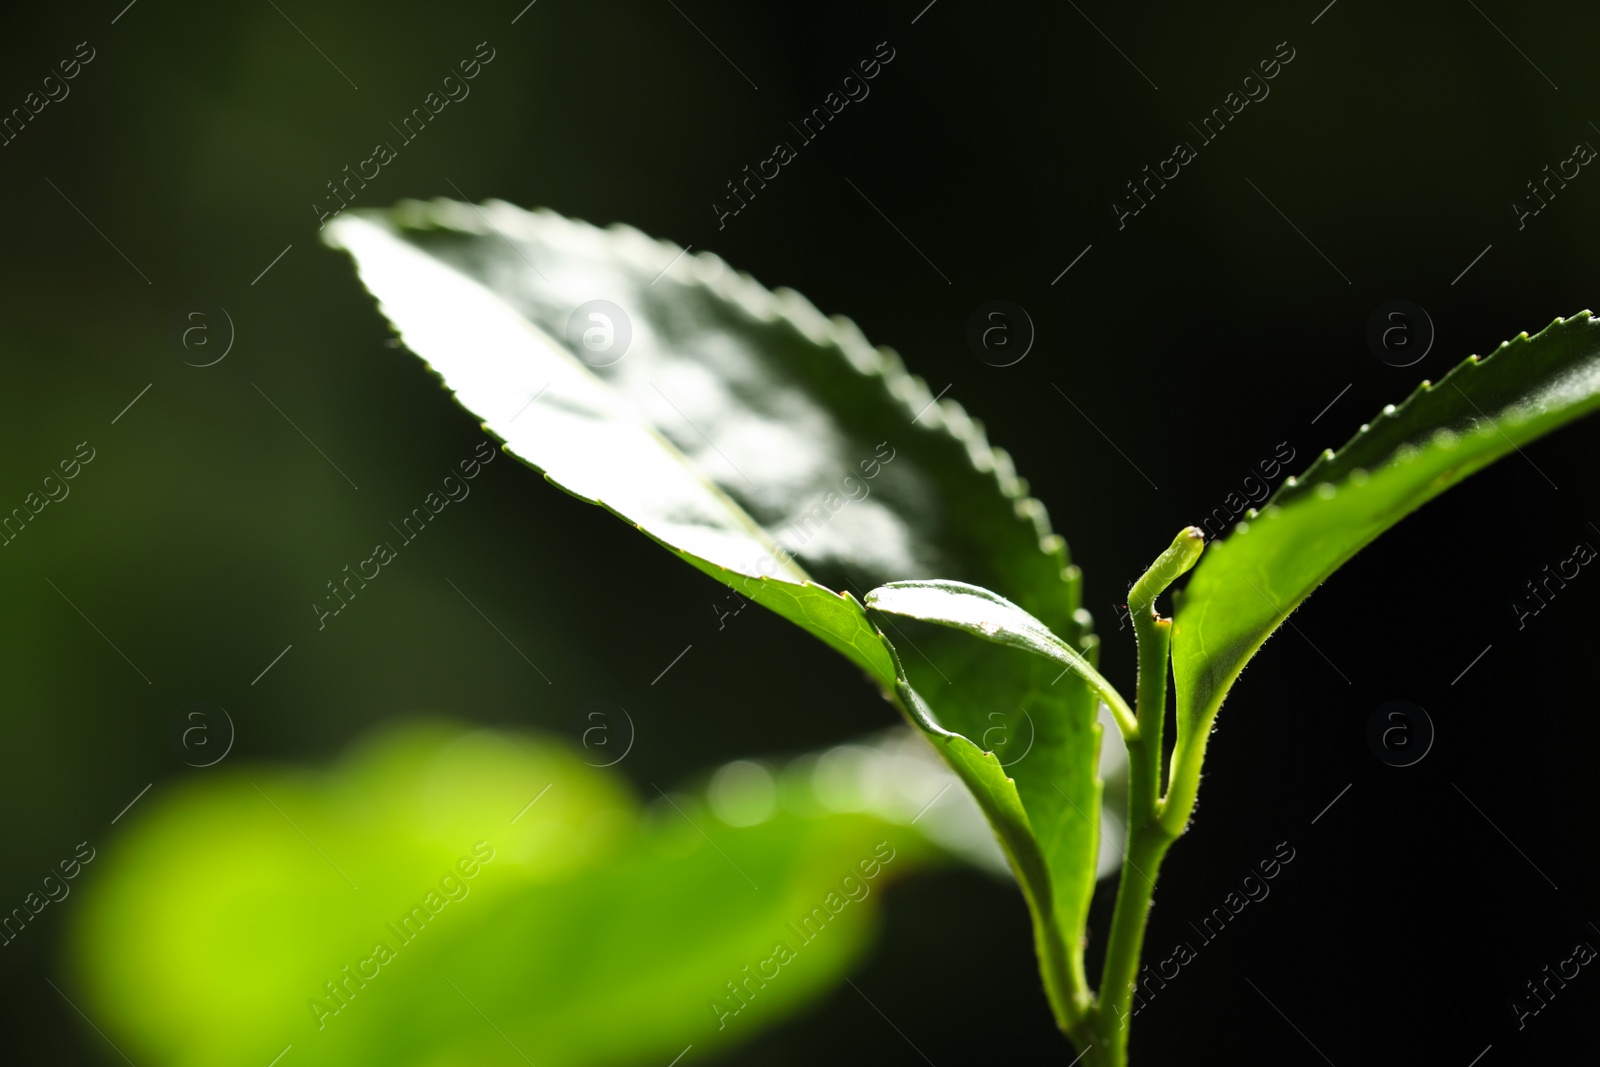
(493, 897)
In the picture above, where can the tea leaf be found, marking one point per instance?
(1246, 586)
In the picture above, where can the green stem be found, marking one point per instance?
(1147, 841)
(1141, 867)
(1148, 837)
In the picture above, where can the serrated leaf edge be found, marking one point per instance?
(653, 254)
(1297, 487)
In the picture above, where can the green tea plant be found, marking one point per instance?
(779, 452)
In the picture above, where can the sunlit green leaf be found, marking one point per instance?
(1053, 853)
(763, 443)
(738, 426)
(585, 435)
(1053, 766)
(1246, 586)
(992, 617)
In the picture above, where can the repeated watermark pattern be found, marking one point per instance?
(201, 733)
(1253, 490)
(1252, 888)
(54, 888)
(999, 333)
(202, 337)
(1400, 333)
(605, 732)
(1400, 733)
(1542, 989)
(1543, 189)
(1253, 88)
(453, 489)
(53, 89)
(452, 887)
(53, 489)
(452, 89)
(1537, 593)
(850, 88)
(854, 886)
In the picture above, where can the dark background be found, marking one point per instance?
(1196, 339)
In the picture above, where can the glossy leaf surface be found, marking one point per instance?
(1484, 409)
(765, 444)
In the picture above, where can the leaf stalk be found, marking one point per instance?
(1104, 1037)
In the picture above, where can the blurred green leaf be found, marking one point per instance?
(1245, 587)
(564, 922)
